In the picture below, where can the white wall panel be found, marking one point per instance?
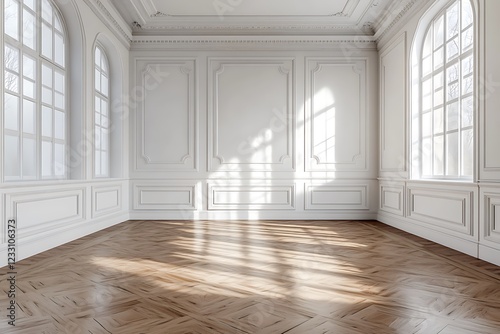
(164, 196)
(490, 217)
(251, 197)
(392, 198)
(393, 110)
(106, 200)
(251, 114)
(336, 131)
(40, 211)
(451, 209)
(166, 132)
(336, 197)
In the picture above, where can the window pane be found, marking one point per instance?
(97, 59)
(47, 11)
(438, 32)
(105, 85)
(97, 104)
(467, 65)
(467, 112)
(438, 80)
(59, 125)
(12, 18)
(452, 49)
(104, 108)
(29, 88)
(47, 76)
(30, 4)
(46, 95)
(438, 155)
(11, 58)
(11, 82)
(452, 116)
(28, 117)
(46, 122)
(427, 124)
(452, 154)
(29, 66)
(97, 80)
(104, 163)
(98, 137)
(438, 58)
(438, 98)
(467, 39)
(59, 101)
(59, 81)
(46, 158)
(12, 161)
(467, 152)
(452, 21)
(46, 41)
(467, 15)
(104, 140)
(29, 28)
(59, 164)
(29, 157)
(11, 112)
(59, 49)
(438, 121)
(427, 156)
(57, 24)
(98, 163)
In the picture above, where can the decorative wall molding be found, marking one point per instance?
(491, 217)
(106, 200)
(329, 146)
(392, 198)
(337, 197)
(179, 196)
(384, 31)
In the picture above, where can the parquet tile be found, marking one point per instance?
(228, 277)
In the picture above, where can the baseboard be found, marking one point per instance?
(489, 254)
(249, 215)
(459, 244)
(52, 238)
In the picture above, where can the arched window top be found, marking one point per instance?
(443, 88)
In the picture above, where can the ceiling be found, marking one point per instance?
(261, 17)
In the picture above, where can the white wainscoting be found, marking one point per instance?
(392, 198)
(167, 115)
(335, 118)
(251, 116)
(106, 200)
(164, 196)
(251, 197)
(337, 197)
(490, 216)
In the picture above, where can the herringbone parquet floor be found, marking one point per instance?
(302, 277)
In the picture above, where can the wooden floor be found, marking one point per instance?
(254, 277)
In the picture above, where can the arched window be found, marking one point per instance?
(102, 114)
(35, 100)
(443, 113)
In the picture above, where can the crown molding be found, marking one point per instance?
(252, 42)
(384, 31)
(109, 19)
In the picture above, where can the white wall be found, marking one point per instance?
(50, 213)
(241, 130)
(458, 215)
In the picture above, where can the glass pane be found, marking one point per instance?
(468, 85)
(59, 49)
(426, 124)
(46, 95)
(104, 122)
(438, 121)
(452, 82)
(104, 108)
(97, 80)
(47, 76)
(11, 112)
(11, 82)
(97, 137)
(439, 32)
(105, 85)
(467, 39)
(452, 19)
(29, 28)
(59, 125)
(47, 41)
(467, 112)
(97, 57)
(57, 24)
(47, 11)
(59, 163)
(438, 80)
(59, 101)
(46, 158)
(438, 98)
(427, 156)
(438, 155)
(59, 81)
(452, 116)
(438, 58)
(46, 122)
(30, 4)
(467, 152)
(104, 163)
(29, 88)
(452, 49)
(97, 104)
(427, 65)
(98, 163)
(427, 44)
(29, 157)
(11, 58)
(11, 162)
(104, 140)
(12, 18)
(467, 65)
(452, 154)
(467, 15)
(29, 66)
(28, 117)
